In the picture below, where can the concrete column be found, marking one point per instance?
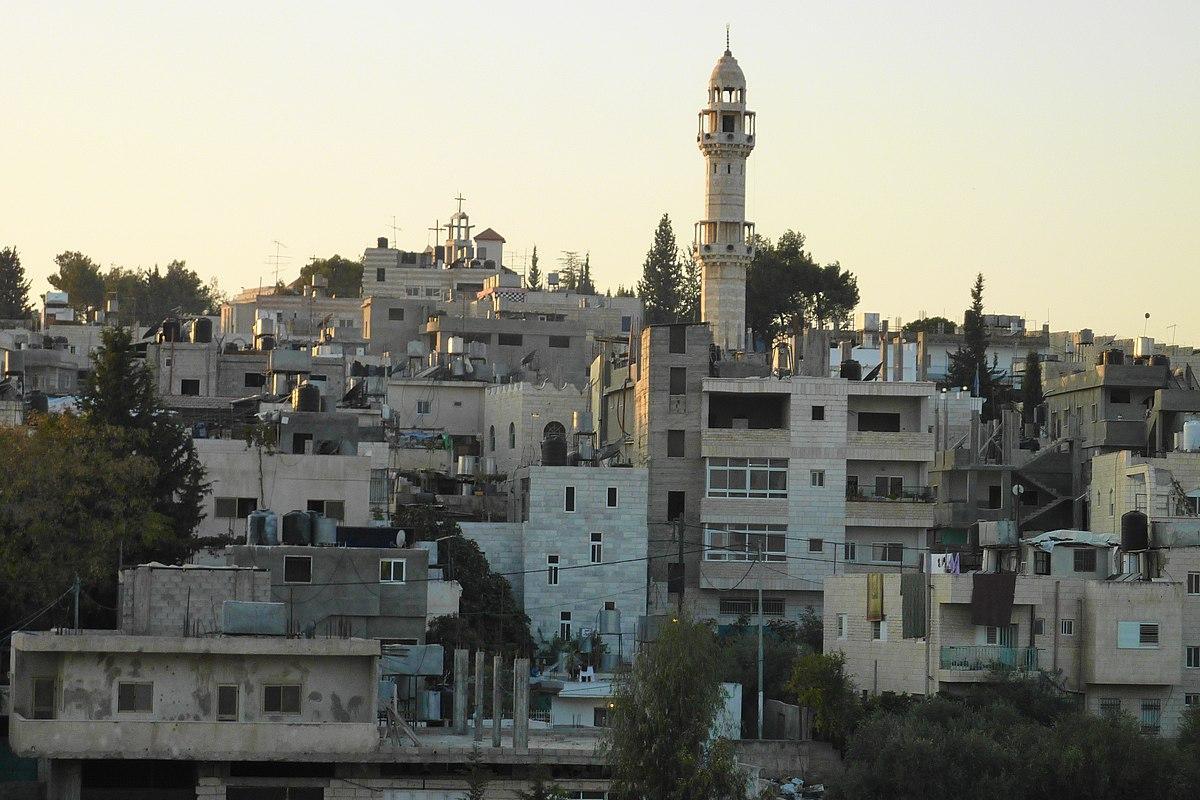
(497, 699)
(65, 780)
(478, 695)
(521, 704)
(885, 351)
(460, 691)
(898, 359)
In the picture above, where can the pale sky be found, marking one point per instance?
(1053, 146)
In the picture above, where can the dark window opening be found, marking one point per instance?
(748, 411)
(283, 699)
(255, 380)
(189, 386)
(1120, 396)
(227, 702)
(396, 314)
(569, 499)
(727, 123)
(299, 441)
(995, 497)
(879, 421)
(678, 380)
(297, 569)
(675, 577)
(675, 502)
(560, 341)
(1085, 560)
(677, 343)
(379, 274)
(818, 413)
(511, 339)
(675, 444)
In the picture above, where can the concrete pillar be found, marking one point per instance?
(478, 695)
(521, 704)
(65, 780)
(497, 699)
(898, 359)
(460, 691)
(884, 355)
(922, 357)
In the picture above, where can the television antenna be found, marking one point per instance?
(277, 260)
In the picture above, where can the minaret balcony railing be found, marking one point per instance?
(725, 126)
(716, 237)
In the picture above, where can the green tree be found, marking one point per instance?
(781, 649)
(622, 291)
(569, 267)
(73, 493)
(929, 324)
(787, 291)
(120, 392)
(969, 363)
(344, 275)
(534, 279)
(584, 284)
(1031, 388)
(820, 682)
(662, 275)
(660, 738)
(80, 278)
(541, 787)
(478, 776)
(14, 289)
(689, 290)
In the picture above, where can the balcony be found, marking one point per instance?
(907, 494)
(889, 445)
(989, 657)
(744, 443)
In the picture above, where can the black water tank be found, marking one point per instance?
(1135, 532)
(266, 343)
(554, 452)
(169, 331)
(39, 402)
(1160, 360)
(851, 370)
(1113, 357)
(297, 527)
(382, 242)
(306, 397)
(201, 330)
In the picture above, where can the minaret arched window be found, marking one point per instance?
(492, 438)
(512, 436)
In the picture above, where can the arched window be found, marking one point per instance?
(512, 436)
(492, 439)
(554, 430)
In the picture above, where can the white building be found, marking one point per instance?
(517, 417)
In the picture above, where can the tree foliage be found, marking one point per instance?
(14, 289)
(689, 288)
(74, 493)
(478, 776)
(569, 268)
(781, 649)
(819, 682)
(660, 741)
(1031, 388)
(584, 283)
(344, 275)
(969, 363)
(80, 278)
(489, 617)
(144, 295)
(542, 787)
(929, 324)
(787, 291)
(662, 276)
(534, 279)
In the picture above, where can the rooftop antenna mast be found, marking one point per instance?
(276, 260)
(395, 232)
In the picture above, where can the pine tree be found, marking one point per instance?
(1031, 388)
(568, 270)
(689, 300)
(584, 284)
(969, 364)
(534, 279)
(14, 289)
(661, 276)
(478, 777)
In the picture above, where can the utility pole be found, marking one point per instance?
(678, 523)
(760, 641)
(75, 591)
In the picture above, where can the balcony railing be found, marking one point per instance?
(908, 494)
(983, 658)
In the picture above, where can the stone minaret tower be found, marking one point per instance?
(722, 244)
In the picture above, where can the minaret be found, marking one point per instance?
(723, 238)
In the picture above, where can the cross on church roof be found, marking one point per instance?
(460, 199)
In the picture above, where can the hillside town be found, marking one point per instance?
(440, 521)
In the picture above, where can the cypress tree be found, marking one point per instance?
(659, 287)
(14, 289)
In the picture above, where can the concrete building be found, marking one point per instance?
(517, 417)
(1124, 644)
(576, 548)
(723, 238)
(296, 315)
(368, 592)
(1166, 488)
(163, 600)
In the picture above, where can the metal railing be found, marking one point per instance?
(908, 494)
(982, 658)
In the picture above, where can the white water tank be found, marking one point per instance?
(467, 465)
(454, 345)
(1191, 436)
(1143, 346)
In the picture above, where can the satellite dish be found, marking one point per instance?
(528, 359)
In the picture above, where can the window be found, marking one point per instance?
(1120, 396)
(842, 626)
(675, 442)
(1193, 583)
(234, 507)
(879, 630)
(748, 606)
(1039, 627)
(889, 486)
(610, 605)
(189, 386)
(626, 324)
(850, 551)
(552, 570)
(1041, 563)
(851, 487)
(492, 439)
(560, 341)
(254, 380)
(554, 430)
(1066, 627)
(334, 509)
(281, 698)
(511, 339)
(818, 413)
(675, 504)
(1109, 706)
(423, 406)
(1193, 657)
(1137, 635)
(1151, 718)
(1191, 699)
(612, 497)
(995, 497)
(569, 499)
(396, 314)
(816, 477)
(391, 570)
(564, 624)
(600, 717)
(412, 291)
(297, 569)
(887, 552)
(300, 442)
(44, 695)
(678, 380)
(744, 541)
(512, 435)
(878, 421)
(747, 477)
(227, 703)
(677, 343)
(816, 545)
(1085, 560)
(597, 548)
(135, 698)
(379, 273)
